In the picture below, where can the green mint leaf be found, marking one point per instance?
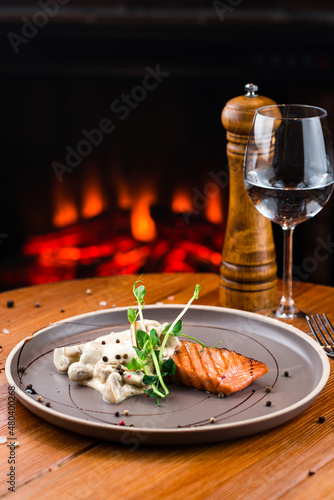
(165, 330)
(177, 329)
(142, 338)
(150, 393)
(142, 355)
(154, 339)
(134, 365)
(140, 293)
(149, 379)
(132, 315)
(169, 367)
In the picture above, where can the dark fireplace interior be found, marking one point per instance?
(113, 152)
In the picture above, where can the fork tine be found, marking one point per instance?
(313, 329)
(329, 328)
(316, 331)
(318, 323)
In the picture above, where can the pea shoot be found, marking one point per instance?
(149, 347)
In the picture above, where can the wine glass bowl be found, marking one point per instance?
(288, 174)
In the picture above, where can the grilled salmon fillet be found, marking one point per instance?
(215, 370)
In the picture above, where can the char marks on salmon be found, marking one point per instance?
(215, 370)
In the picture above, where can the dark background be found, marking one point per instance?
(67, 75)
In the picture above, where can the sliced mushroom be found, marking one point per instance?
(115, 390)
(79, 371)
(91, 353)
(102, 371)
(63, 358)
(133, 378)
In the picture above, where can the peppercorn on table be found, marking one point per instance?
(39, 459)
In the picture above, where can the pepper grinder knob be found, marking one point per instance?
(251, 89)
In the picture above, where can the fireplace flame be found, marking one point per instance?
(124, 198)
(93, 203)
(134, 198)
(65, 212)
(142, 225)
(181, 201)
(213, 210)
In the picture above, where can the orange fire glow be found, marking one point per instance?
(142, 225)
(213, 210)
(181, 201)
(124, 198)
(124, 195)
(65, 212)
(93, 203)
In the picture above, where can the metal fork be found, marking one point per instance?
(323, 331)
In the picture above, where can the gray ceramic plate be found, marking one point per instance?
(185, 414)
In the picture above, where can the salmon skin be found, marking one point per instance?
(214, 370)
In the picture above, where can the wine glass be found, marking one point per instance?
(288, 174)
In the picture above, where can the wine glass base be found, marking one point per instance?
(296, 319)
(283, 314)
(295, 314)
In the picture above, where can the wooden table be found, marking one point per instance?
(294, 461)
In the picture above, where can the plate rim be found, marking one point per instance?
(148, 430)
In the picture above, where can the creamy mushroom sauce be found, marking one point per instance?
(101, 363)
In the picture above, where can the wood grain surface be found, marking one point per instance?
(294, 461)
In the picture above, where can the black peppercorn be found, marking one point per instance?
(286, 374)
(118, 356)
(321, 420)
(117, 414)
(268, 403)
(121, 372)
(125, 356)
(117, 341)
(103, 342)
(10, 303)
(105, 359)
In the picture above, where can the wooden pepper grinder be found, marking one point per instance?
(248, 268)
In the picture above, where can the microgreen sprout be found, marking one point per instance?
(176, 327)
(149, 347)
(140, 292)
(132, 315)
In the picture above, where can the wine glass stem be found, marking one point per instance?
(287, 303)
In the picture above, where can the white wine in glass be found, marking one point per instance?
(288, 175)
